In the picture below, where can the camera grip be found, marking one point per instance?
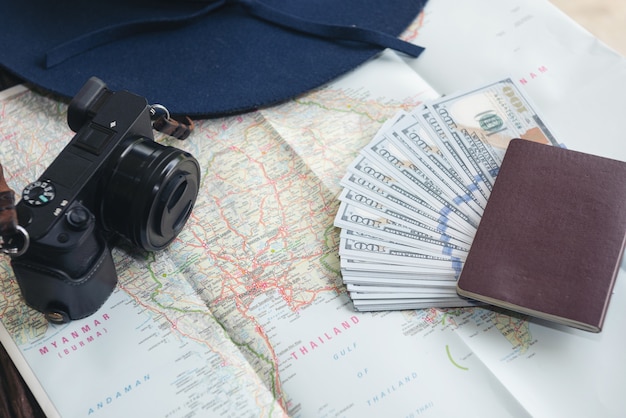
(63, 298)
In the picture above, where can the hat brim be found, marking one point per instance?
(224, 63)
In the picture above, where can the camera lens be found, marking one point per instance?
(150, 194)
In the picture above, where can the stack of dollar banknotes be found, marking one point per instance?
(413, 198)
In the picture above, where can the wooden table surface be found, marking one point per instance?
(16, 400)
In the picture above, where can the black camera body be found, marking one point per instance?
(112, 180)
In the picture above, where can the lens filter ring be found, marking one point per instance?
(176, 189)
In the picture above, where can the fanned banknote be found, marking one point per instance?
(414, 196)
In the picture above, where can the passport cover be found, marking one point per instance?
(551, 237)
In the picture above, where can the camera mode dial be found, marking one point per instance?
(39, 193)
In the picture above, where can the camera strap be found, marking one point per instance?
(179, 128)
(8, 216)
(13, 238)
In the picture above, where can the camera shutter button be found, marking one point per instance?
(78, 218)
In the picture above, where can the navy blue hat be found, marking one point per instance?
(199, 58)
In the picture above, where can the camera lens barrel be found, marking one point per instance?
(150, 193)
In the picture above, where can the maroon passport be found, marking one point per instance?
(552, 236)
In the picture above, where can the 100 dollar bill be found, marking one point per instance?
(361, 220)
(481, 123)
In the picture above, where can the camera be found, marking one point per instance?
(112, 181)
